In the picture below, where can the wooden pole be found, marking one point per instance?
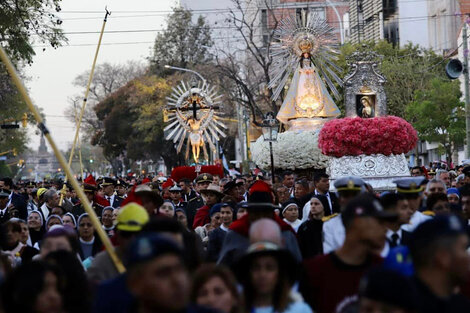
(87, 91)
(94, 219)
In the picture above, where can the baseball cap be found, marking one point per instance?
(439, 226)
(4, 193)
(366, 206)
(132, 217)
(149, 246)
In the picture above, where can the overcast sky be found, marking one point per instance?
(53, 71)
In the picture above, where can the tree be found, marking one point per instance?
(182, 43)
(133, 121)
(246, 68)
(22, 23)
(26, 21)
(107, 78)
(438, 115)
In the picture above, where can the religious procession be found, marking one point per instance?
(266, 157)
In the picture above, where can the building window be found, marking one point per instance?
(264, 19)
(320, 12)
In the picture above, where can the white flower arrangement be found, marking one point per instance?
(292, 150)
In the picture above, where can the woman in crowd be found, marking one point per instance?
(215, 221)
(53, 220)
(33, 287)
(89, 243)
(290, 212)
(267, 274)
(241, 210)
(182, 218)
(59, 238)
(12, 246)
(167, 209)
(24, 236)
(309, 235)
(76, 289)
(215, 287)
(69, 220)
(107, 220)
(115, 215)
(36, 227)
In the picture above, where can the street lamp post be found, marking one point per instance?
(189, 71)
(270, 129)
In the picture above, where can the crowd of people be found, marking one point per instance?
(238, 244)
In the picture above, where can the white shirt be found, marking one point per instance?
(416, 219)
(45, 211)
(333, 234)
(398, 232)
(295, 224)
(225, 229)
(110, 199)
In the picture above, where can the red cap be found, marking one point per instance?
(90, 181)
(168, 184)
(146, 180)
(259, 186)
(260, 192)
(132, 197)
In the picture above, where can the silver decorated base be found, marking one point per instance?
(378, 170)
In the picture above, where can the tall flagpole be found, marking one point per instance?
(90, 78)
(81, 194)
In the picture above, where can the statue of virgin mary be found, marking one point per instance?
(307, 96)
(304, 50)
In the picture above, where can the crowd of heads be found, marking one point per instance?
(235, 244)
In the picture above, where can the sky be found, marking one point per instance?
(53, 70)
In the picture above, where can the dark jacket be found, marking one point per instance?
(309, 236)
(19, 209)
(191, 208)
(236, 241)
(216, 240)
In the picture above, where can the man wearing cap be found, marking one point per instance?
(412, 189)
(211, 195)
(176, 197)
(121, 188)
(333, 229)
(90, 190)
(439, 251)
(130, 220)
(334, 277)
(157, 280)
(217, 236)
(202, 181)
(260, 205)
(108, 186)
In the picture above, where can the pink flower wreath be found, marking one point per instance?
(356, 136)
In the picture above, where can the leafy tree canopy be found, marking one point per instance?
(183, 43)
(438, 114)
